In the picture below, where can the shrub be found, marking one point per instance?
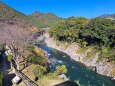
(39, 71)
(89, 55)
(37, 59)
(61, 69)
(1, 77)
(37, 56)
(9, 57)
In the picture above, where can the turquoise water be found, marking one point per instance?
(76, 70)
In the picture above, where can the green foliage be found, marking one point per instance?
(39, 71)
(1, 47)
(29, 19)
(36, 58)
(9, 58)
(107, 52)
(48, 19)
(97, 32)
(81, 50)
(61, 69)
(90, 54)
(1, 77)
(67, 30)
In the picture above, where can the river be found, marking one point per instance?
(76, 70)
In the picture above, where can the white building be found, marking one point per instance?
(16, 79)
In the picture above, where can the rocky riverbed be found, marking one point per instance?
(103, 67)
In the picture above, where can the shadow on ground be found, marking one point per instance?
(9, 78)
(67, 83)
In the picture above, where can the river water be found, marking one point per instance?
(76, 70)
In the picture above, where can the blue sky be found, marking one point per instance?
(65, 8)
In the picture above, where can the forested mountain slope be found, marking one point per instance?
(97, 32)
(49, 19)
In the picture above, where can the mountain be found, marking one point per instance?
(109, 16)
(49, 19)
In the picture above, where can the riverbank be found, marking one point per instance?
(102, 67)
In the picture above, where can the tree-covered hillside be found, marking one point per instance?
(49, 19)
(1, 77)
(97, 32)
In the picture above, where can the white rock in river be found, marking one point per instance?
(49, 54)
(59, 61)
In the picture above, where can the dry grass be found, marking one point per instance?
(81, 50)
(90, 54)
(28, 71)
(111, 62)
(21, 84)
(49, 81)
(112, 72)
